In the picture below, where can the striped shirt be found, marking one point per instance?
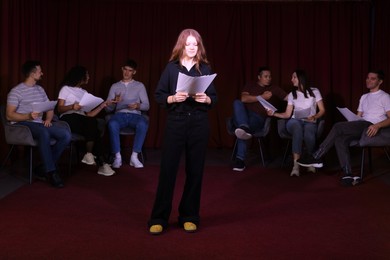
(22, 97)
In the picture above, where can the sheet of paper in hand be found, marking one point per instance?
(193, 85)
(302, 114)
(266, 104)
(89, 102)
(124, 103)
(43, 106)
(349, 115)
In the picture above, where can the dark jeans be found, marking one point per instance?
(43, 135)
(244, 117)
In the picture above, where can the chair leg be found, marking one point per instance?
(261, 150)
(369, 159)
(362, 164)
(387, 152)
(285, 153)
(233, 156)
(7, 157)
(30, 167)
(142, 156)
(70, 158)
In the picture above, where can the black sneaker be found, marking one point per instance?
(310, 161)
(349, 180)
(239, 165)
(55, 180)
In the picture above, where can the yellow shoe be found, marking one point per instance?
(190, 227)
(155, 229)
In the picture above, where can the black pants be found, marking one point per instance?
(188, 132)
(340, 136)
(87, 127)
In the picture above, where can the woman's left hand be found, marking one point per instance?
(201, 98)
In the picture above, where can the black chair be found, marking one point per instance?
(284, 134)
(21, 135)
(380, 140)
(259, 136)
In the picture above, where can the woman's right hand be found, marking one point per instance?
(76, 106)
(179, 97)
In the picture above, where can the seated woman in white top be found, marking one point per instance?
(304, 107)
(81, 121)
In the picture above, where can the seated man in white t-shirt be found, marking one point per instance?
(374, 108)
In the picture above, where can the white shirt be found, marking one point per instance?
(71, 95)
(374, 106)
(301, 103)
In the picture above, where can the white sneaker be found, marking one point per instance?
(135, 162)
(117, 163)
(295, 170)
(89, 159)
(106, 170)
(242, 134)
(311, 169)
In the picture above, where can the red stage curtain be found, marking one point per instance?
(330, 40)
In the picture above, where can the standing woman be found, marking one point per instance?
(304, 107)
(80, 122)
(187, 128)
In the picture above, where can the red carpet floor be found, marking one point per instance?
(261, 213)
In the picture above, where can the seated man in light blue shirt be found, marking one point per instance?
(130, 99)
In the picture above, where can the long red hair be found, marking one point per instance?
(178, 50)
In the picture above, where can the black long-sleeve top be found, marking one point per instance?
(167, 87)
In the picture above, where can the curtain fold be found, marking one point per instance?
(330, 40)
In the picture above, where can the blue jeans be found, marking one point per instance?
(302, 131)
(119, 121)
(243, 117)
(43, 135)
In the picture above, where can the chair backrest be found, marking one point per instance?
(230, 125)
(265, 130)
(320, 127)
(282, 130)
(382, 138)
(15, 134)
